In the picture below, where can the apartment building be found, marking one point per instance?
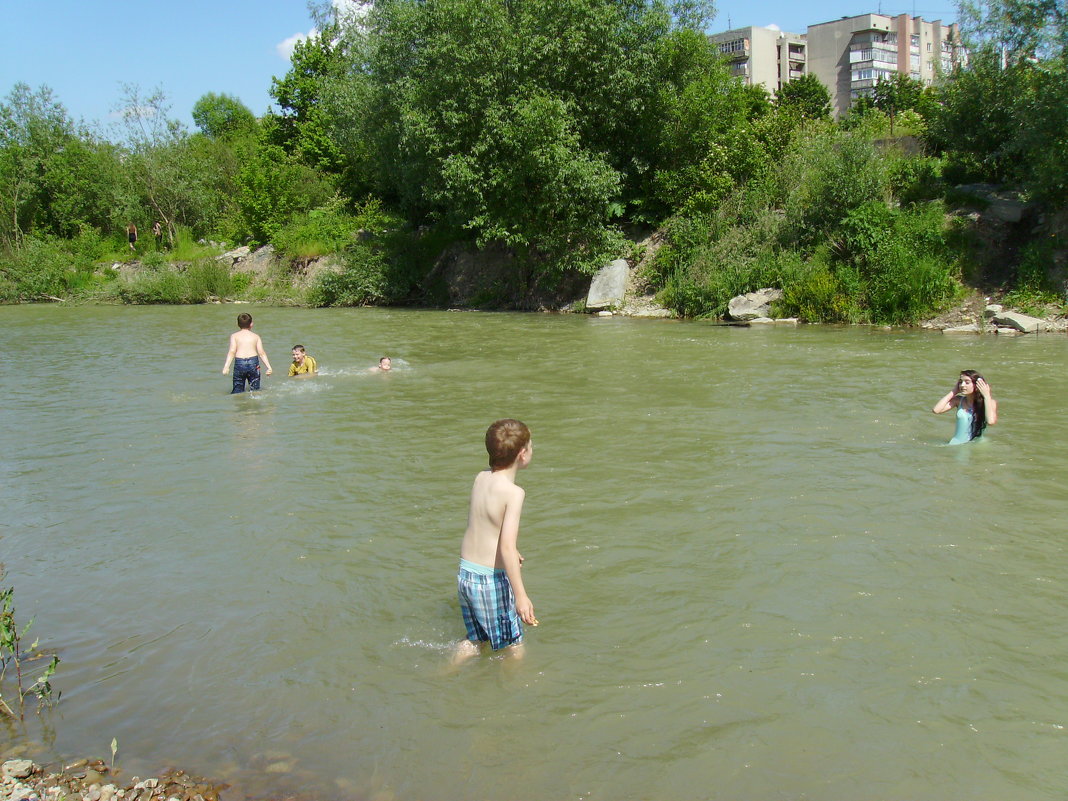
(850, 55)
(765, 56)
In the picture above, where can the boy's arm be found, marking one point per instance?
(507, 545)
(263, 354)
(230, 354)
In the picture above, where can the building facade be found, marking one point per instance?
(850, 55)
(764, 56)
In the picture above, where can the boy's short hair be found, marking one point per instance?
(298, 347)
(244, 320)
(504, 441)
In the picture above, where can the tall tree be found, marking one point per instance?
(1016, 29)
(303, 127)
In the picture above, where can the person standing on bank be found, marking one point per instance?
(976, 407)
(157, 232)
(131, 235)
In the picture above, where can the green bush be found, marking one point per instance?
(196, 283)
(152, 288)
(47, 267)
(816, 295)
(365, 279)
(315, 233)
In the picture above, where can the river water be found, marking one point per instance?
(760, 573)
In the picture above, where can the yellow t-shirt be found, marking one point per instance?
(307, 366)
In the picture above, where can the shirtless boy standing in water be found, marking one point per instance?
(493, 599)
(246, 350)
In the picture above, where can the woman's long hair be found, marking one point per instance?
(978, 405)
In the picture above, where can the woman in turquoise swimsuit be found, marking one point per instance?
(976, 408)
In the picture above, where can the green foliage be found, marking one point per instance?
(807, 96)
(45, 268)
(274, 187)
(376, 262)
(21, 660)
(223, 116)
(826, 176)
(365, 279)
(1021, 29)
(195, 283)
(315, 233)
(979, 121)
(303, 128)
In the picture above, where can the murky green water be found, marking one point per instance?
(759, 573)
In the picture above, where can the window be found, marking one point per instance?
(735, 46)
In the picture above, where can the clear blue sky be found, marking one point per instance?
(84, 49)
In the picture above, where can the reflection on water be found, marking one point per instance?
(758, 571)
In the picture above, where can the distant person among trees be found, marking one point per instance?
(131, 235)
(157, 232)
(303, 365)
(246, 350)
(976, 407)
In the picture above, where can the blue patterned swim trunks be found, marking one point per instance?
(488, 605)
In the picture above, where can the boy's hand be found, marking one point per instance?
(525, 609)
(269, 371)
(225, 371)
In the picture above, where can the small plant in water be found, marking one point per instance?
(12, 655)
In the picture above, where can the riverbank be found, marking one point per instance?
(94, 780)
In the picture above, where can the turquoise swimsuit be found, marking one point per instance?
(964, 426)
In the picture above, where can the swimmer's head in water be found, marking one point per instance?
(298, 353)
(385, 363)
(505, 441)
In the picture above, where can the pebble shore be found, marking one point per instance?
(84, 780)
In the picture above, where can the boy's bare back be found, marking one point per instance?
(244, 344)
(496, 505)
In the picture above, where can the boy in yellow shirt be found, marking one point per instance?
(303, 364)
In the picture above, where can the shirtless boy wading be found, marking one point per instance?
(246, 350)
(493, 598)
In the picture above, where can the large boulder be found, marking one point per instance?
(232, 257)
(608, 286)
(1021, 322)
(752, 305)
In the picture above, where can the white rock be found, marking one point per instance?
(1021, 322)
(604, 314)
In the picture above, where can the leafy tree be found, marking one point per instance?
(303, 127)
(54, 178)
(897, 94)
(163, 167)
(1016, 30)
(223, 116)
(807, 96)
(977, 124)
